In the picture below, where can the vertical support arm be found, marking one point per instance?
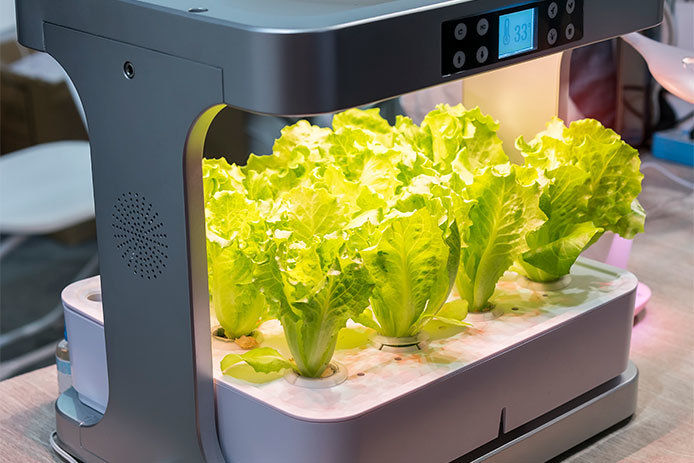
(150, 231)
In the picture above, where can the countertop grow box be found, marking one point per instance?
(152, 75)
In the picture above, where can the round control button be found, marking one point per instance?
(569, 32)
(460, 31)
(482, 54)
(552, 36)
(482, 26)
(570, 6)
(552, 10)
(459, 59)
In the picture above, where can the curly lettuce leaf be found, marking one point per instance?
(312, 212)
(311, 324)
(219, 175)
(229, 215)
(590, 180)
(556, 245)
(235, 246)
(504, 212)
(315, 282)
(552, 253)
(367, 121)
(301, 142)
(413, 268)
(238, 305)
(462, 140)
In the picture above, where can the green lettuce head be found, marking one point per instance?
(504, 210)
(413, 265)
(591, 180)
(317, 282)
(236, 251)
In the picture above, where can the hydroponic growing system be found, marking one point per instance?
(375, 292)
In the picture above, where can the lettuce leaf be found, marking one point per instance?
(462, 140)
(262, 359)
(413, 267)
(238, 305)
(235, 246)
(556, 245)
(315, 282)
(312, 325)
(219, 175)
(590, 179)
(504, 212)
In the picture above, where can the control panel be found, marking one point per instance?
(477, 41)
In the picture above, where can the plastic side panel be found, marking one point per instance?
(448, 418)
(88, 359)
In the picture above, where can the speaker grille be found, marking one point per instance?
(139, 235)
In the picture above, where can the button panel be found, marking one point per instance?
(472, 42)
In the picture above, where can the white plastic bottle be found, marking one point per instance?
(62, 360)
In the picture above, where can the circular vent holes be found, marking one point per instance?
(139, 236)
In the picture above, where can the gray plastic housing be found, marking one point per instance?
(146, 132)
(298, 57)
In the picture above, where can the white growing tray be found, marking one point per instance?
(470, 384)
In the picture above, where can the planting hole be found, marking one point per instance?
(360, 374)
(515, 308)
(397, 358)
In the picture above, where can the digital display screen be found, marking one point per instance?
(517, 32)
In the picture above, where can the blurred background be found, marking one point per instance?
(47, 232)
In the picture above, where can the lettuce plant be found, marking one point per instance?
(235, 253)
(413, 265)
(505, 210)
(318, 282)
(376, 223)
(590, 180)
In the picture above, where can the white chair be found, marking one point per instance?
(43, 189)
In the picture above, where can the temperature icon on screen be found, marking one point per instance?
(507, 31)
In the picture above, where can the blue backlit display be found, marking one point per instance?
(517, 32)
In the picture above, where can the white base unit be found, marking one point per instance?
(545, 355)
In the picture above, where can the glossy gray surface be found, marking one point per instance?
(279, 63)
(150, 233)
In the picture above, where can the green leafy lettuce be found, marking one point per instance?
(319, 282)
(456, 139)
(235, 255)
(590, 180)
(376, 223)
(413, 266)
(505, 210)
